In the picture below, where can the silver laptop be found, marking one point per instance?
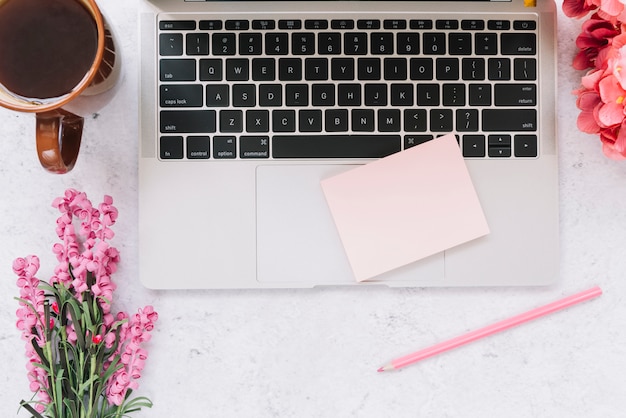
(247, 105)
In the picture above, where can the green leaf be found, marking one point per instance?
(39, 351)
(74, 309)
(30, 409)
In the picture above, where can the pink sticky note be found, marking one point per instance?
(405, 207)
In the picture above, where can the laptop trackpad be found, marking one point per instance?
(296, 237)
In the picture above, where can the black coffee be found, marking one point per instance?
(46, 46)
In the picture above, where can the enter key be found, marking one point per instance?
(515, 94)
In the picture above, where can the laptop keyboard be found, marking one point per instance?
(341, 89)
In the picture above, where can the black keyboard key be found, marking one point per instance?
(224, 147)
(388, 120)
(342, 69)
(198, 147)
(519, 43)
(472, 24)
(177, 25)
(297, 95)
(303, 43)
(336, 120)
(276, 43)
(349, 95)
(473, 69)
(513, 120)
(447, 24)
(402, 95)
(408, 43)
(211, 25)
(499, 69)
(460, 43)
(237, 69)
(290, 24)
(395, 69)
(368, 24)
(421, 24)
(310, 121)
(181, 95)
(237, 24)
(369, 69)
(257, 121)
(197, 44)
(316, 69)
(171, 147)
(413, 140)
(323, 95)
(363, 120)
(254, 147)
(467, 120)
(231, 121)
(515, 94)
(524, 25)
(335, 146)
(217, 95)
(394, 24)
(290, 69)
(447, 69)
(453, 94)
(434, 43)
(316, 24)
(177, 70)
(355, 43)
(382, 43)
(250, 44)
(486, 43)
(224, 44)
(474, 146)
(211, 69)
(499, 25)
(171, 44)
(270, 95)
(284, 121)
(329, 43)
(375, 95)
(244, 95)
(525, 69)
(187, 121)
(480, 94)
(525, 146)
(263, 24)
(441, 120)
(422, 69)
(263, 69)
(342, 24)
(415, 120)
(428, 95)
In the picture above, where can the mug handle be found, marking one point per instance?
(58, 133)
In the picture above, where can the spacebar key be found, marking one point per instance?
(335, 146)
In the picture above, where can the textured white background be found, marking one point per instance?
(314, 353)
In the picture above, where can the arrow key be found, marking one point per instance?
(474, 146)
(525, 146)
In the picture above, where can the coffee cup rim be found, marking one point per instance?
(31, 105)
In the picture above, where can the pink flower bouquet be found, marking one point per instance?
(83, 361)
(602, 52)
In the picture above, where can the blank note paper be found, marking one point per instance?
(405, 207)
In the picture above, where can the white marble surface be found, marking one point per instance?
(314, 353)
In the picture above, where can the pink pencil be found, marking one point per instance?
(492, 329)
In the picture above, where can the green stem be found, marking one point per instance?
(92, 372)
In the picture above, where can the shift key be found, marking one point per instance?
(509, 120)
(187, 121)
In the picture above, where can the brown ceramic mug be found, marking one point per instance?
(58, 56)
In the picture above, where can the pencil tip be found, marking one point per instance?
(381, 369)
